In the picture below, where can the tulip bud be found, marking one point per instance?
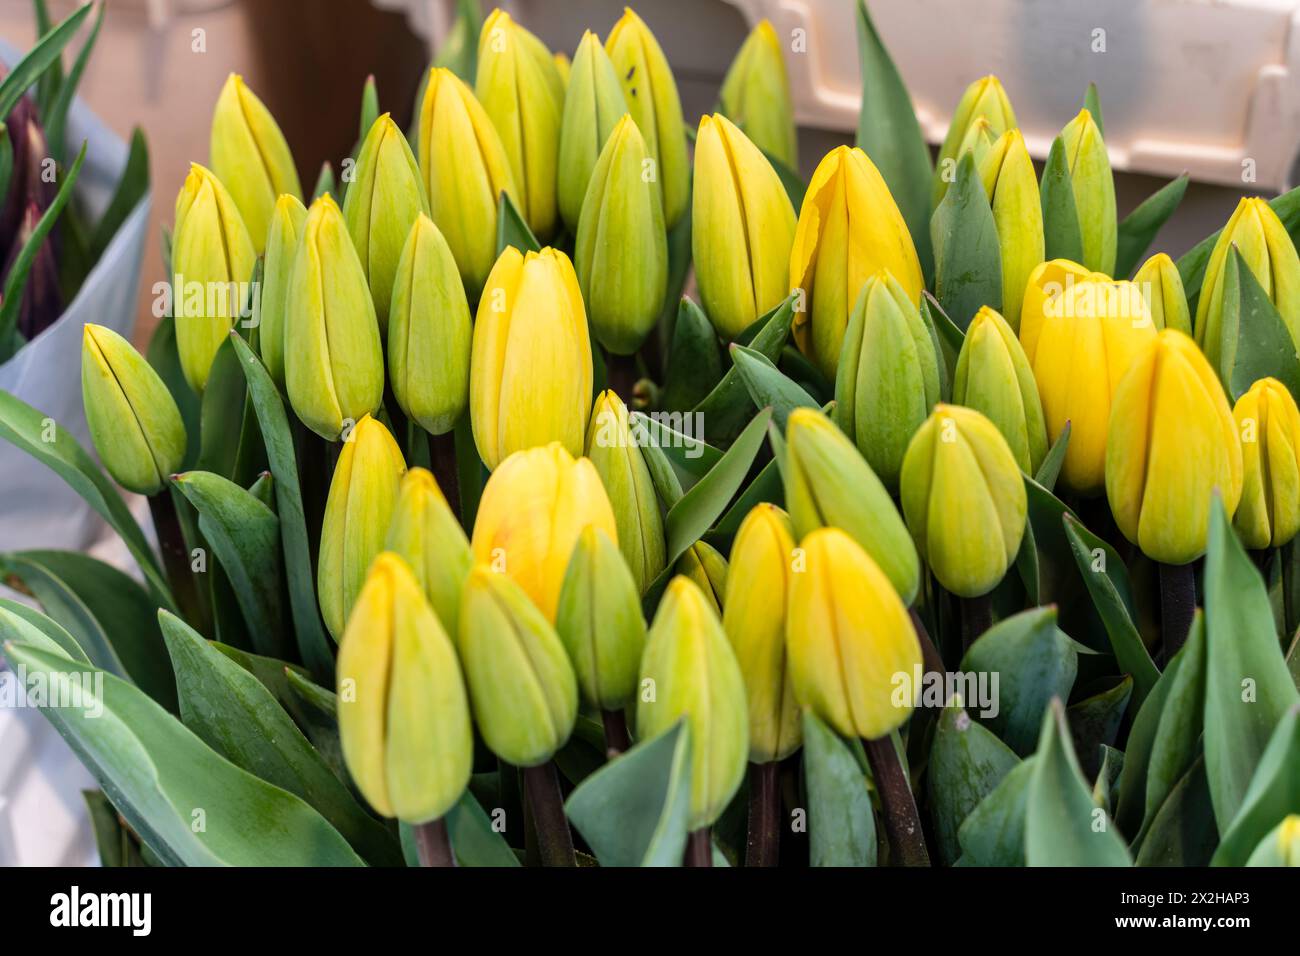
(706, 568)
(762, 559)
(1267, 250)
(333, 362)
(213, 253)
(651, 94)
(994, 378)
(828, 483)
(742, 228)
(424, 532)
(1172, 443)
(964, 500)
(358, 512)
(1281, 847)
(404, 720)
(429, 332)
(1162, 287)
(888, 376)
(848, 635)
(532, 510)
(564, 66)
(593, 105)
(599, 620)
(979, 139)
(986, 100)
(1012, 188)
(690, 672)
(1268, 425)
(530, 365)
(849, 229)
(522, 91)
(522, 686)
(465, 171)
(1093, 186)
(616, 455)
(755, 95)
(250, 156)
(133, 419)
(1047, 281)
(281, 247)
(621, 249)
(380, 207)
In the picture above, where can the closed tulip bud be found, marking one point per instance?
(530, 365)
(985, 100)
(212, 253)
(1093, 186)
(964, 499)
(742, 228)
(1267, 250)
(1012, 188)
(888, 376)
(994, 378)
(651, 95)
(615, 452)
(1268, 425)
(424, 532)
(404, 720)
(593, 106)
(1046, 282)
(849, 229)
(827, 482)
(1090, 333)
(599, 620)
(281, 248)
(979, 139)
(358, 511)
(621, 249)
(848, 635)
(132, 417)
(706, 568)
(1281, 847)
(250, 156)
(1162, 287)
(756, 96)
(333, 362)
(1173, 442)
(380, 207)
(521, 683)
(762, 561)
(532, 510)
(522, 91)
(465, 170)
(689, 672)
(429, 332)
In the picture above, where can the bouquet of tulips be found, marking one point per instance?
(938, 528)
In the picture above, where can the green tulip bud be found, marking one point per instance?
(522, 686)
(1012, 187)
(1162, 287)
(1281, 847)
(593, 105)
(706, 568)
(756, 96)
(425, 533)
(281, 248)
(132, 417)
(888, 377)
(1093, 186)
(1268, 424)
(429, 332)
(986, 100)
(979, 139)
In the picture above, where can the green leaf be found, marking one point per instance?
(1256, 343)
(768, 387)
(1273, 794)
(766, 486)
(1062, 235)
(967, 762)
(932, 315)
(369, 107)
(131, 191)
(694, 366)
(1050, 468)
(114, 842)
(165, 360)
(47, 87)
(55, 114)
(668, 488)
(21, 624)
(29, 69)
(1094, 722)
(221, 422)
(1139, 228)
(967, 261)
(690, 456)
(459, 51)
(324, 182)
(471, 475)
(1092, 103)
(634, 811)
(164, 780)
(6, 160)
(512, 230)
(993, 834)
(1176, 743)
(1248, 689)
(1182, 831)
(841, 823)
(1192, 265)
(473, 840)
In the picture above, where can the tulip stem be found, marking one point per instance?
(442, 458)
(976, 618)
(763, 842)
(546, 803)
(432, 845)
(1177, 605)
(175, 555)
(699, 848)
(617, 740)
(930, 656)
(902, 821)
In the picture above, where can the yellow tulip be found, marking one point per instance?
(756, 96)
(1012, 188)
(1268, 425)
(984, 100)
(1093, 186)
(593, 106)
(1162, 286)
(425, 533)
(281, 249)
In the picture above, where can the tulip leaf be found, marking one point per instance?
(1191, 267)
(1106, 579)
(269, 406)
(768, 387)
(1092, 103)
(21, 624)
(235, 715)
(691, 456)
(694, 366)
(324, 182)
(967, 762)
(1062, 825)
(1112, 765)
(947, 339)
(1248, 689)
(993, 834)
(1062, 234)
(471, 475)
(889, 133)
(1095, 721)
(369, 108)
(1182, 831)
(55, 112)
(512, 230)
(1027, 566)
(635, 810)
(1050, 467)
(165, 780)
(165, 359)
(131, 190)
(1273, 793)
(112, 840)
(31, 67)
(474, 842)
(1139, 228)
(967, 261)
(459, 50)
(1256, 343)
(6, 160)
(668, 488)
(841, 823)
(766, 486)
(679, 264)
(222, 413)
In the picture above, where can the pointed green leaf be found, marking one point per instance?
(841, 823)
(1062, 235)
(1094, 722)
(20, 624)
(1256, 343)
(768, 387)
(967, 261)
(47, 50)
(694, 366)
(1050, 468)
(1139, 228)
(1273, 794)
(993, 834)
(512, 230)
(1182, 830)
